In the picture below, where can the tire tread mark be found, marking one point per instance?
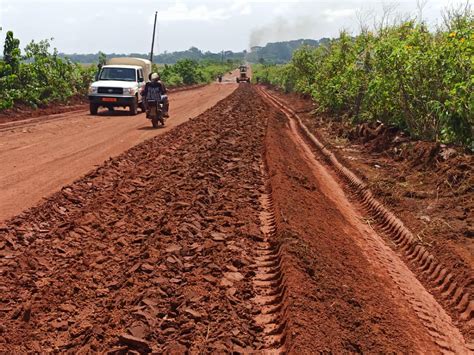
(418, 256)
(269, 282)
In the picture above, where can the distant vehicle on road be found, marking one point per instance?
(243, 74)
(119, 83)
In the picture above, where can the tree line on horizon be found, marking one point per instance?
(275, 53)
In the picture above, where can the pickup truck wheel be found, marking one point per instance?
(134, 107)
(93, 108)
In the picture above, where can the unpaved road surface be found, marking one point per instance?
(37, 157)
(224, 234)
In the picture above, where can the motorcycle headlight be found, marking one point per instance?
(129, 91)
(92, 90)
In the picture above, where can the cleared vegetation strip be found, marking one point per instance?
(439, 277)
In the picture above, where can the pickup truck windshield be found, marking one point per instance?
(121, 74)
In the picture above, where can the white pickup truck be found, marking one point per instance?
(119, 84)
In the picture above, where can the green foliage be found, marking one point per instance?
(11, 53)
(402, 75)
(163, 58)
(279, 75)
(102, 60)
(189, 72)
(40, 77)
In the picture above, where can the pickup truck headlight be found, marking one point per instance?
(92, 90)
(129, 91)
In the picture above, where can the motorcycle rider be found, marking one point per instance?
(156, 90)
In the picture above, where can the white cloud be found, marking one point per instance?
(5, 9)
(188, 11)
(281, 10)
(182, 12)
(334, 15)
(207, 24)
(246, 10)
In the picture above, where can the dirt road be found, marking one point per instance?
(37, 157)
(233, 238)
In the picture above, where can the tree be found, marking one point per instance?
(11, 52)
(38, 50)
(188, 70)
(102, 60)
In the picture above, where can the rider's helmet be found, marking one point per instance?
(155, 77)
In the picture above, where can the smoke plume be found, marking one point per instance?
(283, 29)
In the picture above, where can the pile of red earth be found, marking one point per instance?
(151, 252)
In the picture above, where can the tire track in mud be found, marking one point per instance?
(164, 248)
(269, 282)
(429, 311)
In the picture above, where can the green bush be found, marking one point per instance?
(189, 72)
(39, 77)
(402, 75)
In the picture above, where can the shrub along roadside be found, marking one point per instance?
(39, 77)
(189, 72)
(402, 75)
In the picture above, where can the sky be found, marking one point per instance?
(125, 26)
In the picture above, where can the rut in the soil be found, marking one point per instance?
(437, 322)
(154, 251)
(269, 281)
(441, 261)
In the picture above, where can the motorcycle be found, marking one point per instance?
(154, 112)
